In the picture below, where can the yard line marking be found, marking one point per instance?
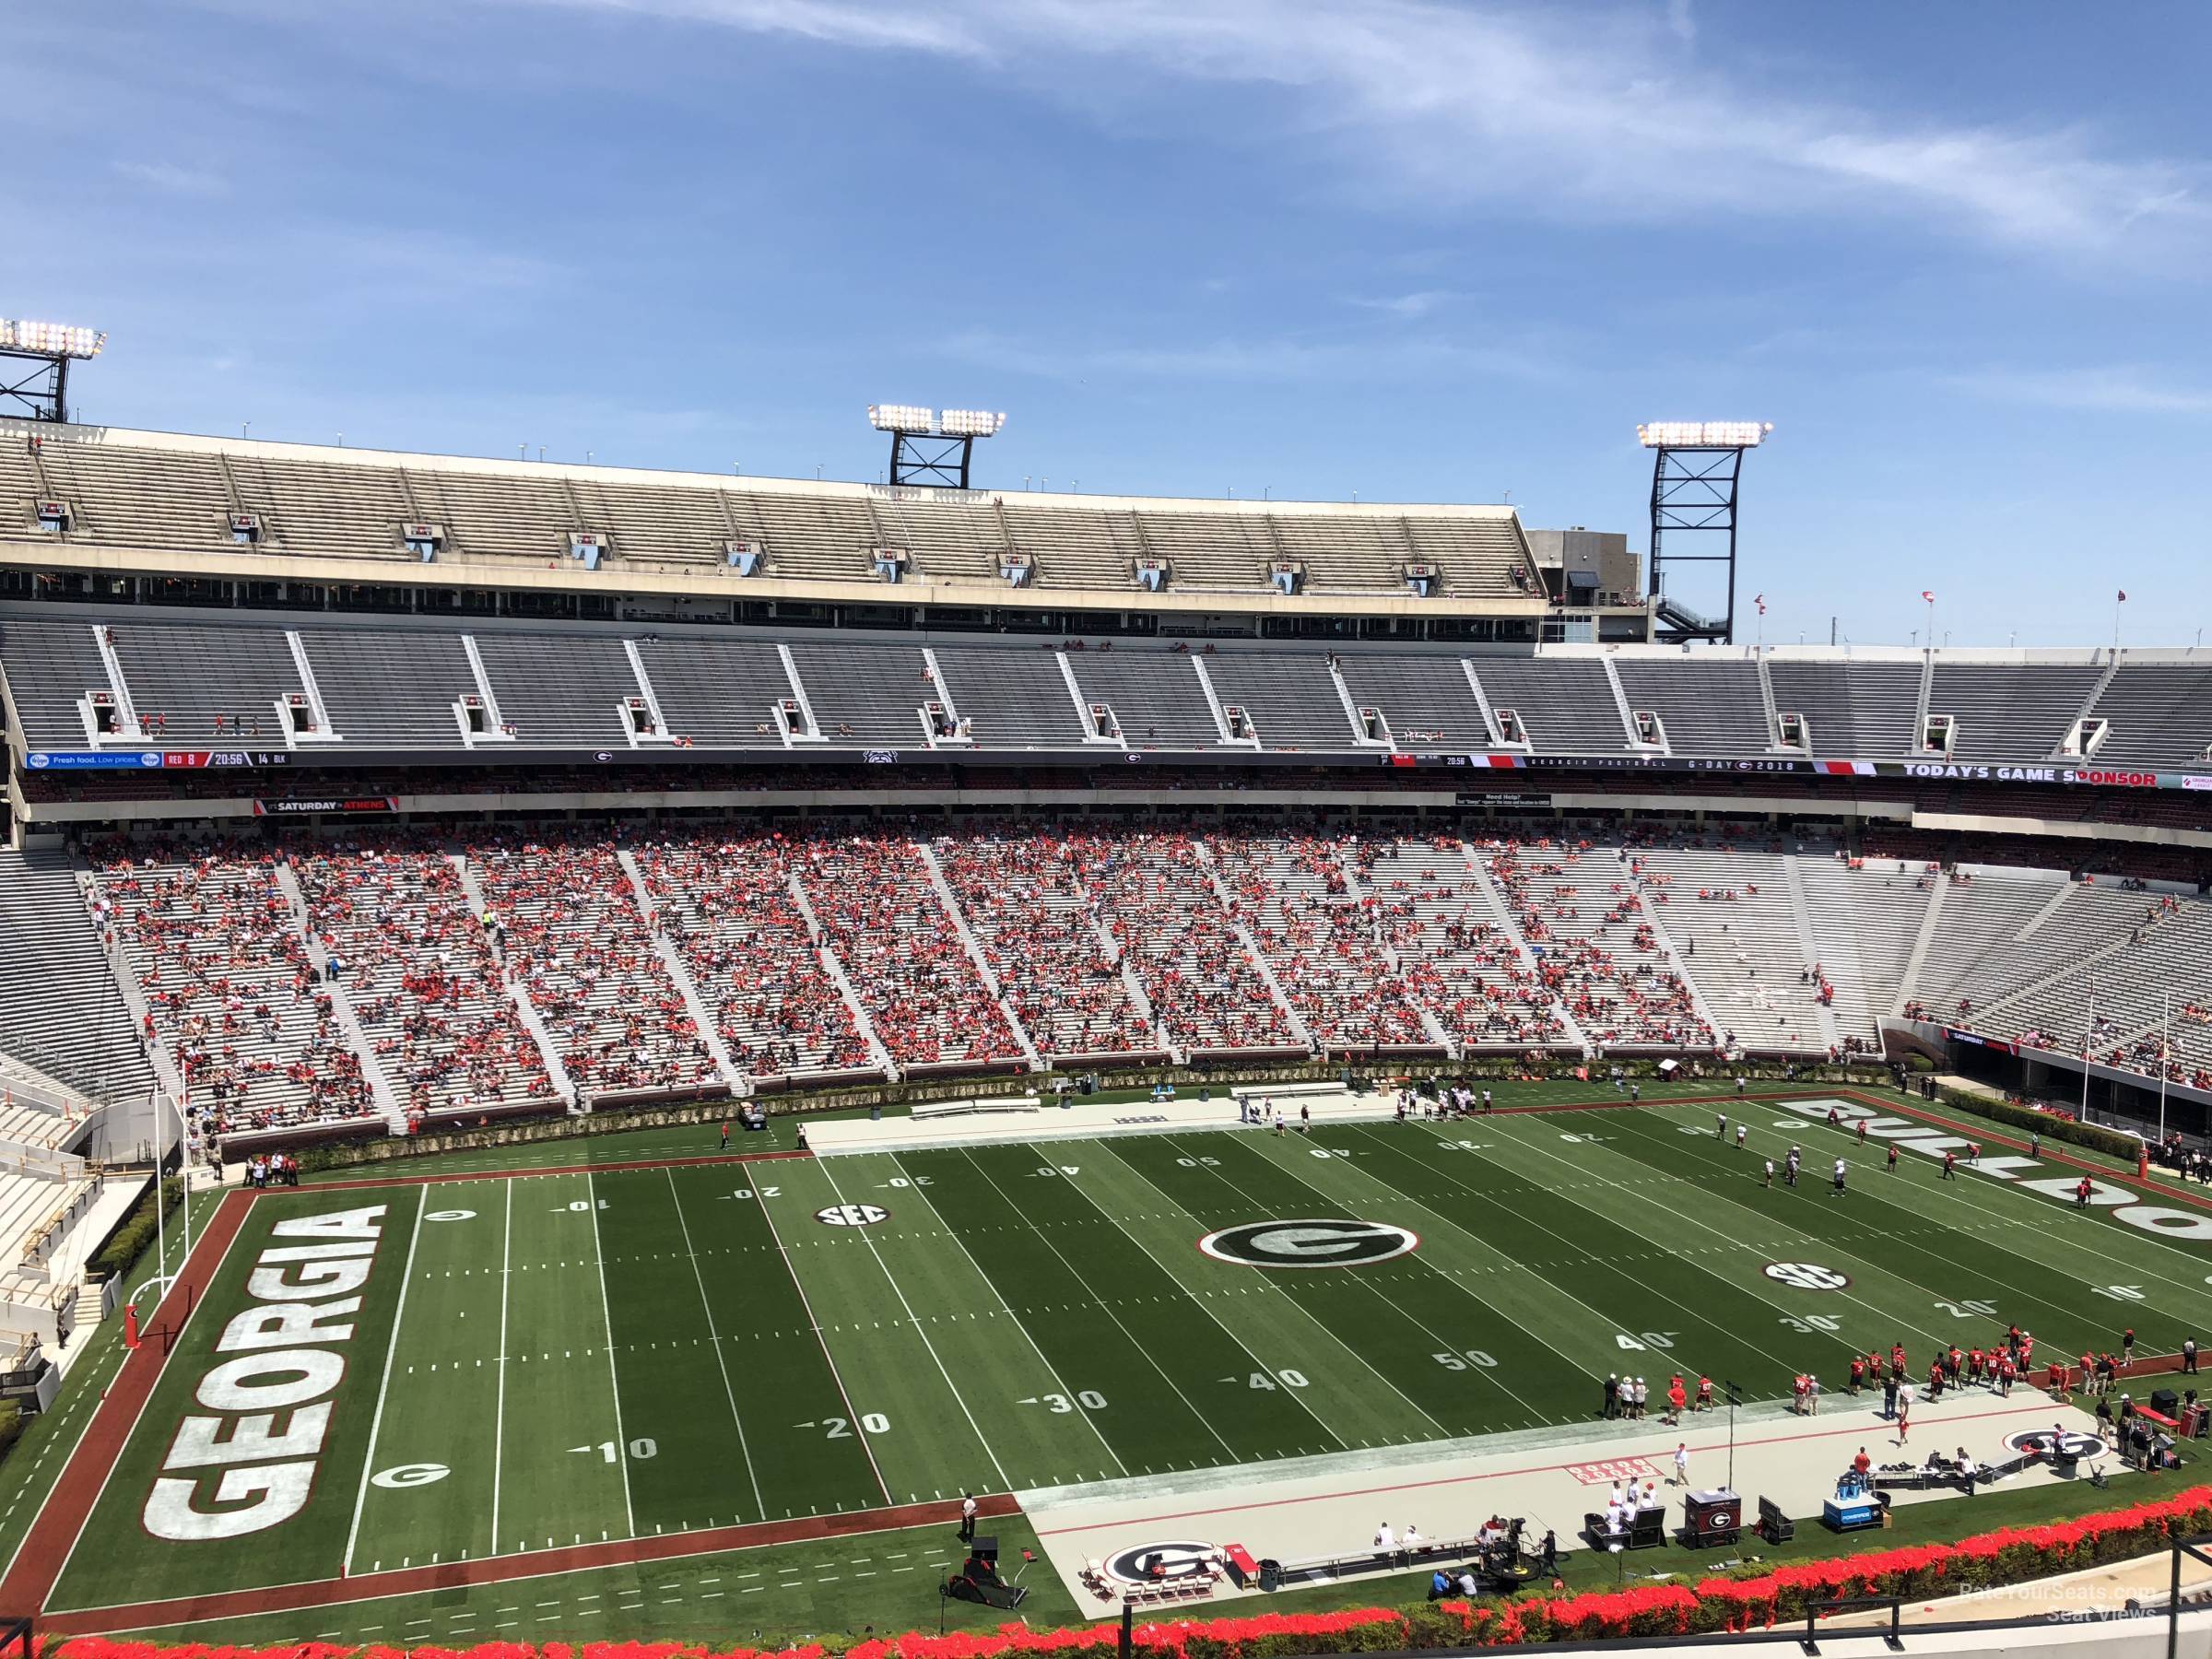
(851, 1416)
(1051, 1371)
(499, 1421)
(376, 1422)
(1408, 1313)
(629, 1518)
(722, 1362)
(1854, 1247)
(1194, 1301)
(2113, 1178)
(1736, 1246)
(1583, 1256)
(1291, 1301)
(1103, 1308)
(867, 1238)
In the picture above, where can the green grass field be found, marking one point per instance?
(546, 1360)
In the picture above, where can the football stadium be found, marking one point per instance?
(629, 1057)
(759, 1062)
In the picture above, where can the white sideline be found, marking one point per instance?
(868, 1238)
(614, 1371)
(499, 1421)
(722, 1361)
(383, 1387)
(1052, 1370)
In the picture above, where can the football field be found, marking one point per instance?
(403, 1374)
